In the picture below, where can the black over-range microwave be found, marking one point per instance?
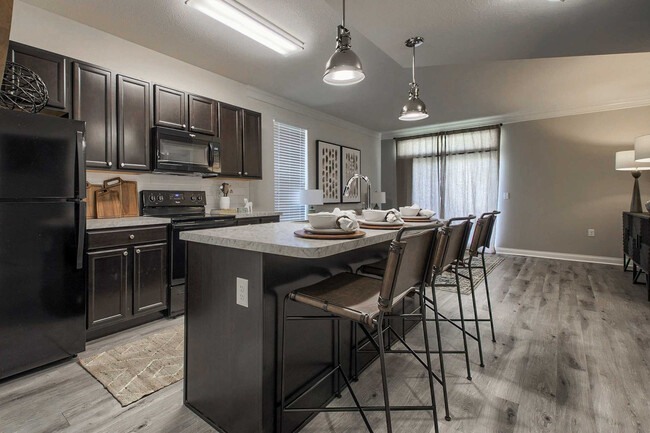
(183, 152)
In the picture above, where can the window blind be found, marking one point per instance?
(290, 169)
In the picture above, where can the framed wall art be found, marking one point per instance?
(328, 169)
(350, 164)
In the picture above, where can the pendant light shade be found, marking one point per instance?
(344, 66)
(415, 108)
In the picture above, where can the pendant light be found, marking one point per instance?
(414, 109)
(344, 67)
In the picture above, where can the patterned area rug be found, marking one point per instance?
(139, 368)
(491, 262)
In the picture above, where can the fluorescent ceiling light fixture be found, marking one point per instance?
(247, 22)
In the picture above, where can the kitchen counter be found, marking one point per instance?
(109, 223)
(231, 378)
(254, 214)
(278, 238)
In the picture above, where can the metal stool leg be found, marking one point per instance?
(478, 330)
(487, 292)
(428, 352)
(462, 323)
(384, 377)
(337, 357)
(355, 339)
(441, 355)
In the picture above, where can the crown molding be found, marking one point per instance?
(302, 110)
(515, 118)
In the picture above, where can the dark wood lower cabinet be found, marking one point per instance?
(127, 285)
(107, 286)
(150, 278)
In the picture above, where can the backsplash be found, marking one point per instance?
(239, 188)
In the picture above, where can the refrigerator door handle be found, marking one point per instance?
(81, 233)
(81, 165)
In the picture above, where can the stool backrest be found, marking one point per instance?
(408, 264)
(451, 243)
(483, 232)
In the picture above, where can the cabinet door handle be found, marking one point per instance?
(137, 251)
(245, 173)
(184, 125)
(131, 237)
(126, 253)
(239, 173)
(122, 165)
(110, 163)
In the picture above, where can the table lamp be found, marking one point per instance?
(378, 198)
(311, 197)
(625, 161)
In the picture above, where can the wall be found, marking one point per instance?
(561, 179)
(389, 172)
(42, 29)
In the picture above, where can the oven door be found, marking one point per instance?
(177, 268)
(182, 152)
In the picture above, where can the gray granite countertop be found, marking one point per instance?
(108, 223)
(254, 214)
(278, 238)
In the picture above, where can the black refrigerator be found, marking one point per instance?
(42, 231)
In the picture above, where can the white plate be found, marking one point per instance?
(310, 229)
(381, 223)
(418, 217)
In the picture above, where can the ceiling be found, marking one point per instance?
(481, 58)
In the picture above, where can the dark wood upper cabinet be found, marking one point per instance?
(231, 139)
(150, 278)
(133, 123)
(52, 68)
(169, 107)
(108, 276)
(202, 115)
(252, 143)
(92, 102)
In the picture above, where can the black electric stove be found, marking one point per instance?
(186, 209)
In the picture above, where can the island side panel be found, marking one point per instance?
(223, 340)
(310, 344)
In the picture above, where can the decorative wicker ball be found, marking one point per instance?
(22, 89)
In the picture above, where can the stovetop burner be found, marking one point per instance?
(180, 206)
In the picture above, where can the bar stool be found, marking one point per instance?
(367, 301)
(451, 244)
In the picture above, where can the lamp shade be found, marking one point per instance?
(642, 148)
(625, 161)
(311, 196)
(378, 197)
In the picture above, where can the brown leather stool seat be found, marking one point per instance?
(346, 295)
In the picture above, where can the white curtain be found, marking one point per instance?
(454, 174)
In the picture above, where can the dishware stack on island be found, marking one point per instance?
(415, 213)
(337, 224)
(382, 219)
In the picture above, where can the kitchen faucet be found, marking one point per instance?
(346, 190)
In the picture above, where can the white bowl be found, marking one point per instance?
(409, 211)
(374, 215)
(322, 220)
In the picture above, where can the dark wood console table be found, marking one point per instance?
(636, 244)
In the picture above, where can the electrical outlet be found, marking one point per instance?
(591, 233)
(242, 292)
(506, 196)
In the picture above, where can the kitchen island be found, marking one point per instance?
(231, 350)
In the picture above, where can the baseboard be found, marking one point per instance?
(561, 256)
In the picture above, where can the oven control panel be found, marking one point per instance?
(151, 198)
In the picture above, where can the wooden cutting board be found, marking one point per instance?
(128, 195)
(91, 207)
(108, 202)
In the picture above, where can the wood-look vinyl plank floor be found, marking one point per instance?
(572, 356)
